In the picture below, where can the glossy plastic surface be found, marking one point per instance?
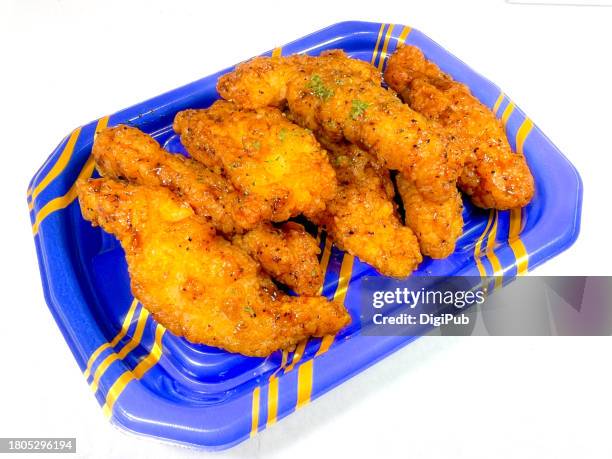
(153, 383)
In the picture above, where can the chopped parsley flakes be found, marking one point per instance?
(318, 88)
(358, 108)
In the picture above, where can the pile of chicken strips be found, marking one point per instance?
(210, 238)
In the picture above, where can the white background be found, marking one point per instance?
(64, 63)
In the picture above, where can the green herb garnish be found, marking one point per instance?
(282, 134)
(358, 108)
(250, 311)
(318, 88)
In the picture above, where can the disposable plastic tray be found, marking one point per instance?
(154, 383)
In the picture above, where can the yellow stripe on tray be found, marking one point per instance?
(277, 52)
(517, 246)
(102, 124)
(375, 51)
(522, 134)
(306, 373)
(124, 329)
(297, 356)
(478, 248)
(403, 36)
(58, 167)
(272, 401)
(129, 347)
(64, 201)
(273, 391)
(495, 263)
(346, 270)
(255, 411)
(498, 102)
(304, 379)
(304, 385)
(156, 351)
(141, 369)
(507, 112)
(114, 392)
(325, 259)
(326, 343)
(383, 54)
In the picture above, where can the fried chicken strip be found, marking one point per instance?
(437, 225)
(124, 152)
(263, 154)
(493, 176)
(197, 284)
(362, 218)
(288, 254)
(341, 98)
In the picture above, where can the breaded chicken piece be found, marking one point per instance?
(493, 176)
(263, 154)
(124, 152)
(341, 98)
(437, 225)
(288, 253)
(197, 284)
(362, 219)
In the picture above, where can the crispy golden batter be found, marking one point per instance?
(197, 284)
(288, 253)
(437, 225)
(493, 176)
(362, 218)
(338, 97)
(124, 152)
(263, 154)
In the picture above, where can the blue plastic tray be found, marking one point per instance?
(153, 383)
